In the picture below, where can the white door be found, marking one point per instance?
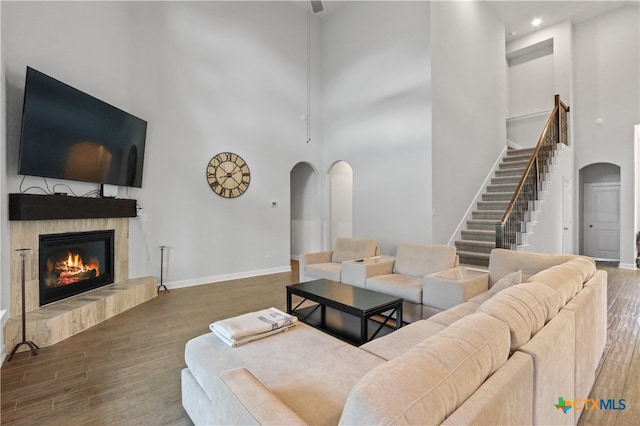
(601, 228)
(567, 212)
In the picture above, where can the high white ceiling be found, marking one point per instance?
(517, 15)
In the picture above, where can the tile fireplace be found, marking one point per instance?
(26, 234)
(94, 243)
(73, 241)
(74, 262)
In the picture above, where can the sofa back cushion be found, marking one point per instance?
(431, 380)
(503, 262)
(353, 248)
(525, 308)
(418, 260)
(567, 278)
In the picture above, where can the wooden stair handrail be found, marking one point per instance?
(533, 161)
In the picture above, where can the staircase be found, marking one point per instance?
(479, 238)
(510, 200)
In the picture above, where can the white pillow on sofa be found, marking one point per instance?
(504, 282)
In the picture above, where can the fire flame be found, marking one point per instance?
(73, 265)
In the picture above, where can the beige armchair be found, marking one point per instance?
(328, 264)
(404, 277)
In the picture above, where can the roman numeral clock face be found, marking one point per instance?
(228, 175)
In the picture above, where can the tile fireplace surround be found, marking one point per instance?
(58, 320)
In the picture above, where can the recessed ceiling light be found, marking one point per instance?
(512, 33)
(536, 22)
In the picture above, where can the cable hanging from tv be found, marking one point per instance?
(54, 191)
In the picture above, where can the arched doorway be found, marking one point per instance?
(600, 211)
(306, 217)
(340, 203)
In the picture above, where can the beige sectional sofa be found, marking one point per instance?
(502, 358)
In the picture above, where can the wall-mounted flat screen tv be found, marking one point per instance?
(69, 134)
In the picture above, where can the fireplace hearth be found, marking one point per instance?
(60, 320)
(74, 262)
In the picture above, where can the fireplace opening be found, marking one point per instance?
(72, 263)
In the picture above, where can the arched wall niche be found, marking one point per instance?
(339, 201)
(306, 211)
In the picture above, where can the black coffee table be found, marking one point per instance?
(357, 303)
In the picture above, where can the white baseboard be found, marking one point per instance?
(226, 277)
(631, 266)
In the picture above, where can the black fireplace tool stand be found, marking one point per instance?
(34, 348)
(161, 286)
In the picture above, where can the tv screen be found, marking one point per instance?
(68, 134)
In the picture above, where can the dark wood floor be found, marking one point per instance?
(619, 369)
(127, 369)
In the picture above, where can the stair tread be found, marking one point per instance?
(482, 221)
(463, 253)
(479, 231)
(514, 164)
(485, 211)
(476, 243)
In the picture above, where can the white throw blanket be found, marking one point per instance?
(254, 325)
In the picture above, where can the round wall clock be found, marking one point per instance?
(228, 175)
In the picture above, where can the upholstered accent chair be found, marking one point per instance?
(405, 276)
(328, 264)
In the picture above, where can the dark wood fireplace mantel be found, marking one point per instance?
(44, 207)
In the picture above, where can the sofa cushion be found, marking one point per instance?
(329, 271)
(437, 375)
(400, 341)
(407, 287)
(418, 260)
(525, 308)
(452, 315)
(252, 401)
(353, 248)
(567, 278)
